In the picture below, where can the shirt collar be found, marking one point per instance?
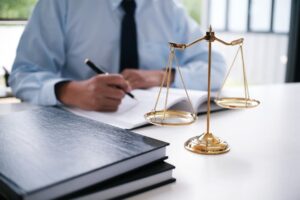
(116, 3)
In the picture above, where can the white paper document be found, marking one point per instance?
(130, 113)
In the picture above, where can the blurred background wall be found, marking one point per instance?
(263, 23)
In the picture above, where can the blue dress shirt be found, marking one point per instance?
(62, 33)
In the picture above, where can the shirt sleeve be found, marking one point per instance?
(194, 60)
(40, 55)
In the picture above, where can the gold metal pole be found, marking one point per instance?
(208, 84)
(207, 143)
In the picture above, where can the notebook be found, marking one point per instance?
(131, 183)
(130, 113)
(48, 152)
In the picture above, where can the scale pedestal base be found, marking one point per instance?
(206, 143)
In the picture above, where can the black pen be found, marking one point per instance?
(100, 70)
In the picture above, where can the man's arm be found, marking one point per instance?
(36, 75)
(40, 54)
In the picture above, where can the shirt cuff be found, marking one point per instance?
(48, 96)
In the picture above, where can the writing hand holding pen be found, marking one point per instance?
(98, 93)
(100, 70)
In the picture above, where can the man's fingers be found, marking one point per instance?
(132, 75)
(112, 92)
(128, 72)
(132, 79)
(115, 80)
(107, 104)
(107, 109)
(111, 103)
(137, 84)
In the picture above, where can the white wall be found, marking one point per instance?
(265, 54)
(9, 39)
(265, 57)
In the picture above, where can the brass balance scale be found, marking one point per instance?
(206, 143)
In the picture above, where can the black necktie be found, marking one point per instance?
(129, 52)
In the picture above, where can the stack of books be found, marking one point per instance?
(49, 153)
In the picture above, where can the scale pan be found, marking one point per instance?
(170, 117)
(236, 103)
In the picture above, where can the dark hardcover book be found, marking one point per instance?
(128, 184)
(48, 152)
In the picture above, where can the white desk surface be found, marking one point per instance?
(264, 160)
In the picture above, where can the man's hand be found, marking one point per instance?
(100, 93)
(144, 78)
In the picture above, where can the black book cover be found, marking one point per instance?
(142, 173)
(48, 152)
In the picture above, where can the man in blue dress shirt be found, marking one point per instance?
(49, 67)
